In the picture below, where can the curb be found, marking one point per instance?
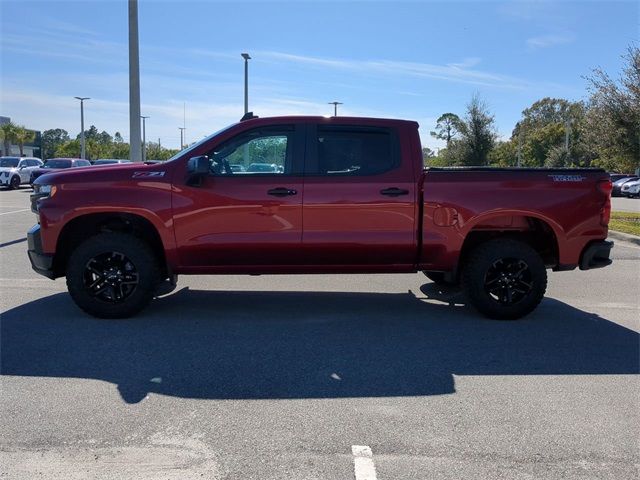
(624, 237)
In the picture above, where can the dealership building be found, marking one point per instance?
(30, 149)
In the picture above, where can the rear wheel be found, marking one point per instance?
(505, 279)
(112, 275)
(15, 182)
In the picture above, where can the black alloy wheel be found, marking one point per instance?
(504, 278)
(111, 277)
(508, 280)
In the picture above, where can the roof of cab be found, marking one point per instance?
(339, 120)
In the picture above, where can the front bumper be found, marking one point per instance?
(596, 255)
(40, 262)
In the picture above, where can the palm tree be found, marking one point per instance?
(8, 134)
(22, 136)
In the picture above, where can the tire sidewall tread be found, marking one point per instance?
(140, 255)
(481, 259)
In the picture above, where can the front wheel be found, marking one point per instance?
(14, 182)
(112, 275)
(504, 279)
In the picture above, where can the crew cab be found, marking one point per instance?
(347, 195)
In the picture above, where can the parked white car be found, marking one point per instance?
(14, 171)
(631, 189)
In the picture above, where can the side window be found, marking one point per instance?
(264, 151)
(33, 163)
(355, 151)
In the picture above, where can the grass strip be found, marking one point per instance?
(627, 222)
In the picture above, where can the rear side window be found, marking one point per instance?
(356, 151)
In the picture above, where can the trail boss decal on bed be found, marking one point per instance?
(147, 174)
(567, 178)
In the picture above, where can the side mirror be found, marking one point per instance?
(197, 168)
(198, 165)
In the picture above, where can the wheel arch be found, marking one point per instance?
(539, 232)
(87, 225)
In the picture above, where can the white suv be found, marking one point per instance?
(14, 171)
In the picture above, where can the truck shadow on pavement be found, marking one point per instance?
(269, 345)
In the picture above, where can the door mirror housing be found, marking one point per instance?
(198, 166)
(197, 169)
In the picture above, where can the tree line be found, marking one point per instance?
(57, 143)
(603, 131)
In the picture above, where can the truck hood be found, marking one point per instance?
(8, 169)
(106, 173)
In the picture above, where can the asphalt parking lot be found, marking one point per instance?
(279, 377)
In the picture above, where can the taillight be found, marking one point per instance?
(605, 186)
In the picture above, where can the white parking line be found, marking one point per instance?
(363, 462)
(16, 211)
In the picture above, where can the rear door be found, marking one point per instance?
(359, 197)
(26, 166)
(242, 215)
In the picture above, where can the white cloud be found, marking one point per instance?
(457, 72)
(551, 40)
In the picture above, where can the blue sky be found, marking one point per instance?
(399, 59)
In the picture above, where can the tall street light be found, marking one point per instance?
(246, 81)
(134, 84)
(144, 138)
(82, 150)
(182, 129)
(335, 107)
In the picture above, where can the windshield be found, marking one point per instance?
(54, 163)
(9, 162)
(197, 144)
(105, 162)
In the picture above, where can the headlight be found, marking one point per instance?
(41, 192)
(45, 191)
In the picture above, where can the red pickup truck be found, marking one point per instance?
(294, 195)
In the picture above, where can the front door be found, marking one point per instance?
(248, 211)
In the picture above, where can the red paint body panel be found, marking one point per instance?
(332, 224)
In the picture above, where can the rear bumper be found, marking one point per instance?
(596, 255)
(40, 262)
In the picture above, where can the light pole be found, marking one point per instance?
(182, 129)
(82, 149)
(144, 138)
(134, 84)
(246, 81)
(335, 107)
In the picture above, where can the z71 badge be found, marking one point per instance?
(147, 174)
(567, 178)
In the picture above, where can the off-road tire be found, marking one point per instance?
(136, 251)
(483, 268)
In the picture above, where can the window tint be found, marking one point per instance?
(355, 151)
(255, 152)
(83, 163)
